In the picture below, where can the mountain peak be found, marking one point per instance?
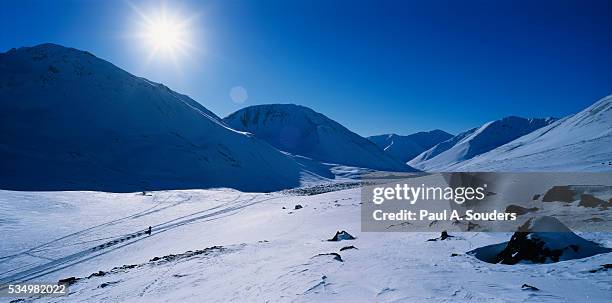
(302, 131)
(438, 131)
(50, 46)
(282, 107)
(47, 50)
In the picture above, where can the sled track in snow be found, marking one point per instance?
(128, 239)
(38, 248)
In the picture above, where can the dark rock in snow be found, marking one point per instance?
(400, 225)
(97, 274)
(347, 248)
(519, 210)
(442, 237)
(297, 206)
(187, 254)
(336, 256)
(523, 247)
(124, 267)
(529, 287)
(559, 194)
(543, 240)
(587, 200)
(342, 235)
(69, 281)
(604, 267)
(106, 284)
(472, 226)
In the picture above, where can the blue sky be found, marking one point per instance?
(376, 66)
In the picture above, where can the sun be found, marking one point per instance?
(164, 33)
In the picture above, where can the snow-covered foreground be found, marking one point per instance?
(269, 252)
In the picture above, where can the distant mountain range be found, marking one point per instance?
(405, 148)
(72, 121)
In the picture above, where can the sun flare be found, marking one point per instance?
(164, 33)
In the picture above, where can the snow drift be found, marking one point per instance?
(580, 142)
(302, 131)
(448, 155)
(70, 120)
(405, 148)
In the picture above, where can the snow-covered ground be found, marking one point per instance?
(269, 252)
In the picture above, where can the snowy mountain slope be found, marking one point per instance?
(580, 142)
(476, 141)
(441, 147)
(405, 148)
(300, 130)
(70, 120)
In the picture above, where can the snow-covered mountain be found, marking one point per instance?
(405, 148)
(302, 131)
(580, 142)
(69, 120)
(448, 155)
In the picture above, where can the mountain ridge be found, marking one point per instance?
(476, 141)
(406, 147)
(578, 142)
(302, 131)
